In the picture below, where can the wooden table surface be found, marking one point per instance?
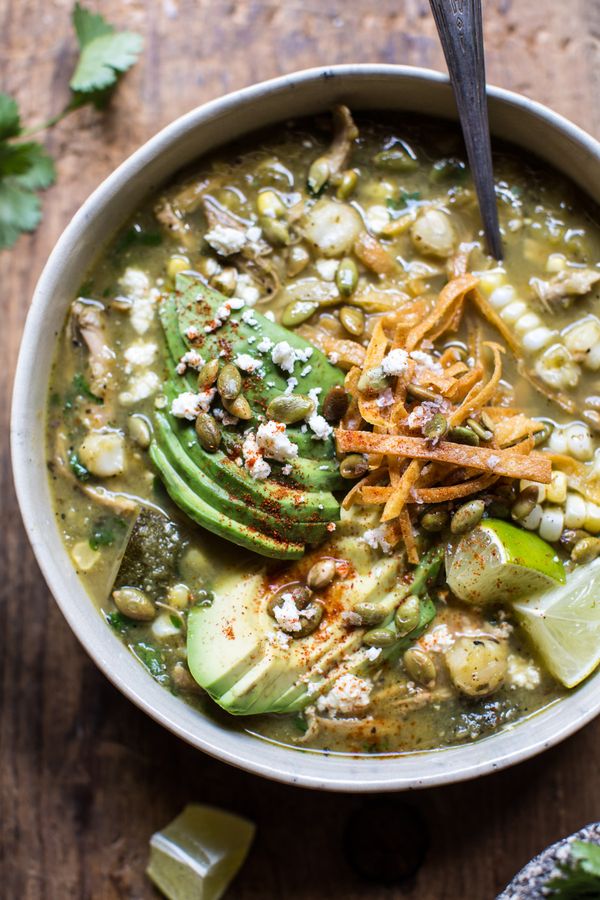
(85, 778)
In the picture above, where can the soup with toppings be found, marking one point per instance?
(323, 464)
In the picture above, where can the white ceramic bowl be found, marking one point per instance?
(362, 87)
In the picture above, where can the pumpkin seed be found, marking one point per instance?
(275, 231)
(290, 408)
(525, 503)
(370, 613)
(585, 550)
(346, 277)
(435, 520)
(421, 393)
(353, 320)
(310, 619)
(436, 428)
(459, 434)
(354, 466)
(229, 382)
(347, 184)
(225, 281)
(571, 536)
(396, 159)
(318, 175)
(321, 574)
(487, 420)
(379, 637)
(209, 433)
(420, 666)
(208, 374)
(298, 259)
(467, 516)
(177, 264)
(134, 604)
(372, 381)
(269, 204)
(298, 311)
(481, 432)
(335, 404)
(139, 431)
(408, 616)
(238, 407)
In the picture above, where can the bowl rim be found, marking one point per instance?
(284, 764)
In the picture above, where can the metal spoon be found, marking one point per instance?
(459, 25)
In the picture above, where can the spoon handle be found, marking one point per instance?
(460, 27)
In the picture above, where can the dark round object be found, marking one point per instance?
(385, 840)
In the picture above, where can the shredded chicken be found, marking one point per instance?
(567, 283)
(87, 323)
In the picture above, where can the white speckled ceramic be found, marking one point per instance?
(362, 87)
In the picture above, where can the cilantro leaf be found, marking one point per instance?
(10, 122)
(20, 210)
(105, 53)
(588, 856)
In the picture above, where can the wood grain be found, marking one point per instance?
(85, 777)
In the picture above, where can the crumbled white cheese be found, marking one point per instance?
(225, 240)
(139, 354)
(376, 538)
(270, 315)
(348, 696)
(351, 619)
(327, 268)
(372, 653)
(191, 359)
(254, 461)
(188, 405)
(425, 362)
(438, 639)
(136, 286)
(223, 312)
(247, 290)
(493, 460)
(285, 356)
(385, 399)
(377, 217)
(306, 371)
(273, 442)
(287, 469)
(291, 384)
(320, 426)
(247, 363)
(314, 395)
(522, 672)
(249, 318)
(224, 417)
(287, 614)
(140, 388)
(279, 638)
(192, 333)
(254, 234)
(265, 345)
(395, 363)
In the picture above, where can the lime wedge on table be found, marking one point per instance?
(564, 625)
(198, 853)
(499, 562)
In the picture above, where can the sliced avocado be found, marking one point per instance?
(233, 647)
(210, 491)
(215, 521)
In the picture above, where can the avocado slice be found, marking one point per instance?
(210, 491)
(215, 521)
(278, 513)
(234, 653)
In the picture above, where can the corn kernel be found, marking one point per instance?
(551, 524)
(556, 262)
(579, 442)
(575, 511)
(541, 488)
(592, 517)
(556, 491)
(491, 279)
(537, 339)
(532, 521)
(527, 323)
(84, 557)
(178, 596)
(513, 311)
(502, 296)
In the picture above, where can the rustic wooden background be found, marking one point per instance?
(85, 778)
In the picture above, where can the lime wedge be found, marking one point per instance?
(499, 562)
(564, 625)
(198, 853)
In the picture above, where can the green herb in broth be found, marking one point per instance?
(340, 237)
